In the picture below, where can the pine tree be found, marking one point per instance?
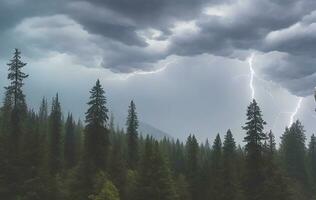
(118, 168)
(216, 186)
(70, 148)
(271, 144)
(254, 149)
(6, 110)
(55, 139)
(96, 131)
(132, 136)
(14, 112)
(31, 157)
(192, 166)
(312, 158)
(293, 152)
(178, 160)
(43, 111)
(205, 173)
(274, 187)
(15, 104)
(14, 90)
(155, 181)
(230, 177)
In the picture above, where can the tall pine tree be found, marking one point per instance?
(254, 149)
(55, 137)
(155, 181)
(14, 112)
(15, 104)
(132, 136)
(274, 187)
(312, 158)
(293, 152)
(192, 165)
(70, 147)
(216, 189)
(230, 170)
(96, 132)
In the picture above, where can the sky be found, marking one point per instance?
(191, 66)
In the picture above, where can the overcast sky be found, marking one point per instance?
(186, 63)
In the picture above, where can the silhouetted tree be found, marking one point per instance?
(55, 139)
(192, 166)
(230, 170)
(216, 185)
(155, 180)
(254, 149)
(96, 132)
(132, 136)
(70, 147)
(293, 152)
(312, 159)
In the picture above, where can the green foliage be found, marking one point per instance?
(96, 142)
(70, 146)
(192, 166)
(230, 177)
(293, 152)
(155, 181)
(55, 138)
(14, 91)
(216, 170)
(255, 136)
(108, 192)
(312, 158)
(132, 136)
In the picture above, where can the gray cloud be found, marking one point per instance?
(295, 73)
(127, 36)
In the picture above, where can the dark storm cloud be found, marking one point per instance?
(296, 73)
(134, 35)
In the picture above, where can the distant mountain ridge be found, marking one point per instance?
(145, 129)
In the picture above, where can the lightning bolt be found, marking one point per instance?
(253, 92)
(139, 72)
(252, 75)
(297, 108)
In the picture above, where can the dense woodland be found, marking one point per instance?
(47, 155)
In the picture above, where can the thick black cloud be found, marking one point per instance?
(117, 32)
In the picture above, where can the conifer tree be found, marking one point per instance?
(271, 144)
(274, 187)
(43, 111)
(293, 152)
(254, 148)
(118, 169)
(216, 186)
(230, 177)
(55, 139)
(14, 90)
(96, 131)
(70, 148)
(14, 112)
(192, 166)
(14, 104)
(155, 180)
(312, 158)
(132, 136)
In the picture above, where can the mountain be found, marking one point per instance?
(143, 129)
(147, 129)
